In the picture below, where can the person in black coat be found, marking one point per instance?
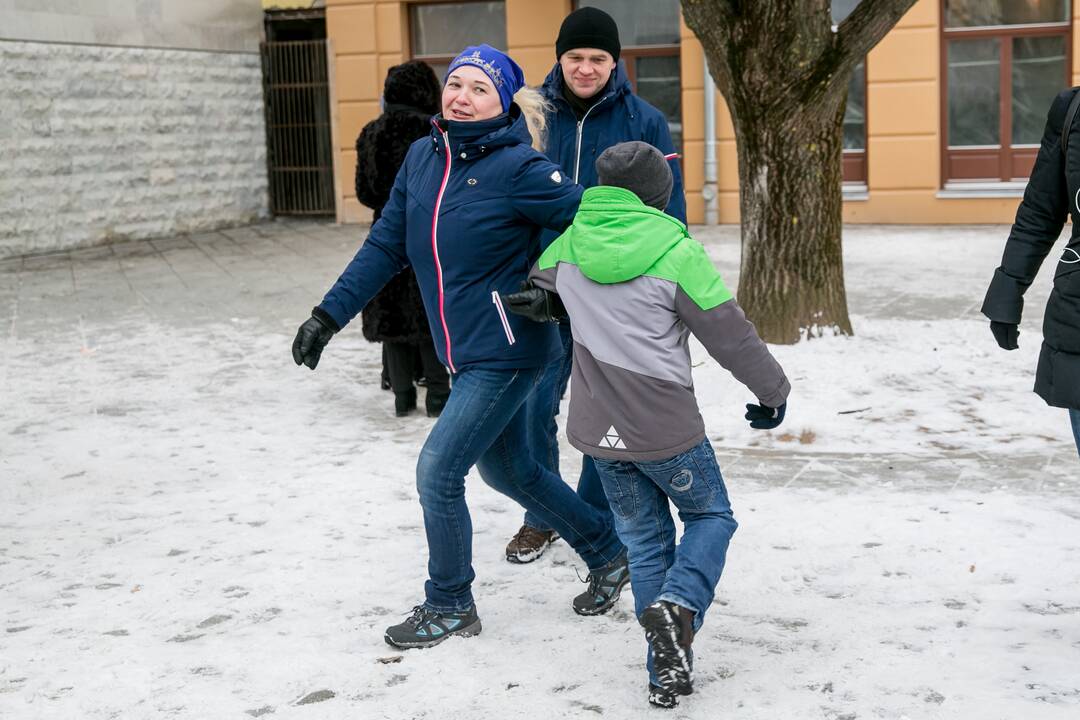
(1053, 192)
(396, 318)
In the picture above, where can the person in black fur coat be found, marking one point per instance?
(395, 317)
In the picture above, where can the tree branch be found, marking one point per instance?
(713, 22)
(863, 29)
(866, 26)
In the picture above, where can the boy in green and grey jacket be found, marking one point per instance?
(635, 285)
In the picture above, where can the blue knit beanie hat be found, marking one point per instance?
(504, 73)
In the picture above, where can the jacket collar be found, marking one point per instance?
(470, 140)
(618, 86)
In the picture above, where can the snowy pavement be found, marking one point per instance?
(192, 527)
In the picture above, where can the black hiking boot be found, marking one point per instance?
(427, 628)
(605, 585)
(669, 630)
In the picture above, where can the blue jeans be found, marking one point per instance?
(542, 409)
(1074, 415)
(484, 424)
(640, 492)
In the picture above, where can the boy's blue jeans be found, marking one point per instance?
(639, 493)
(484, 424)
(1074, 415)
(543, 408)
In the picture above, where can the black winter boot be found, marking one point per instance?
(404, 402)
(670, 631)
(659, 697)
(435, 402)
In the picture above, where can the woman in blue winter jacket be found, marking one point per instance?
(466, 212)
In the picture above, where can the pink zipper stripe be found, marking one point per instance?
(671, 156)
(435, 251)
(502, 316)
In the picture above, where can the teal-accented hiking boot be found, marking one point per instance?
(427, 628)
(605, 585)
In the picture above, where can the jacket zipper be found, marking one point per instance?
(580, 126)
(435, 249)
(502, 316)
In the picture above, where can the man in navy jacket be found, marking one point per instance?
(594, 108)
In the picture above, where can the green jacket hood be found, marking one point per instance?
(615, 237)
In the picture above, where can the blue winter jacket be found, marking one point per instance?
(466, 212)
(618, 116)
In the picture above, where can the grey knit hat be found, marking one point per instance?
(638, 167)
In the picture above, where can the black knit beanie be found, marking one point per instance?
(588, 27)
(638, 167)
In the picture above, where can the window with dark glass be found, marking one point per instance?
(438, 31)
(855, 113)
(1003, 63)
(649, 35)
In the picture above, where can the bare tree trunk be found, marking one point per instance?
(784, 72)
(792, 279)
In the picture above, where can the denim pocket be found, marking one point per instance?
(691, 479)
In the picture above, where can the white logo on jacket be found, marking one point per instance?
(611, 439)
(556, 177)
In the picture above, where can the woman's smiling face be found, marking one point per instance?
(469, 95)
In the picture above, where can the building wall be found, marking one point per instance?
(219, 25)
(903, 109)
(903, 133)
(130, 120)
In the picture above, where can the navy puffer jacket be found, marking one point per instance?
(618, 116)
(466, 212)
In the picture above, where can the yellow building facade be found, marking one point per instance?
(908, 173)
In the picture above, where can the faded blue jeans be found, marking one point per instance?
(542, 409)
(640, 493)
(484, 424)
(1074, 415)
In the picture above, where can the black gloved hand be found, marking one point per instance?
(535, 303)
(1006, 334)
(762, 417)
(312, 337)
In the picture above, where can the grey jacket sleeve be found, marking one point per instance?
(1039, 220)
(544, 279)
(732, 341)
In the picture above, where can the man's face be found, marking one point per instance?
(586, 70)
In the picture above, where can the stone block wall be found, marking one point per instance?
(107, 143)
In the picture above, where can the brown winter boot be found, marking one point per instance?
(528, 544)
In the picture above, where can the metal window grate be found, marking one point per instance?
(296, 91)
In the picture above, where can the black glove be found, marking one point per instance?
(1006, 334)
(312, 337)
(762, 417)
(535, 303)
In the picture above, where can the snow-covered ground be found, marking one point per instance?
(192, 527)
